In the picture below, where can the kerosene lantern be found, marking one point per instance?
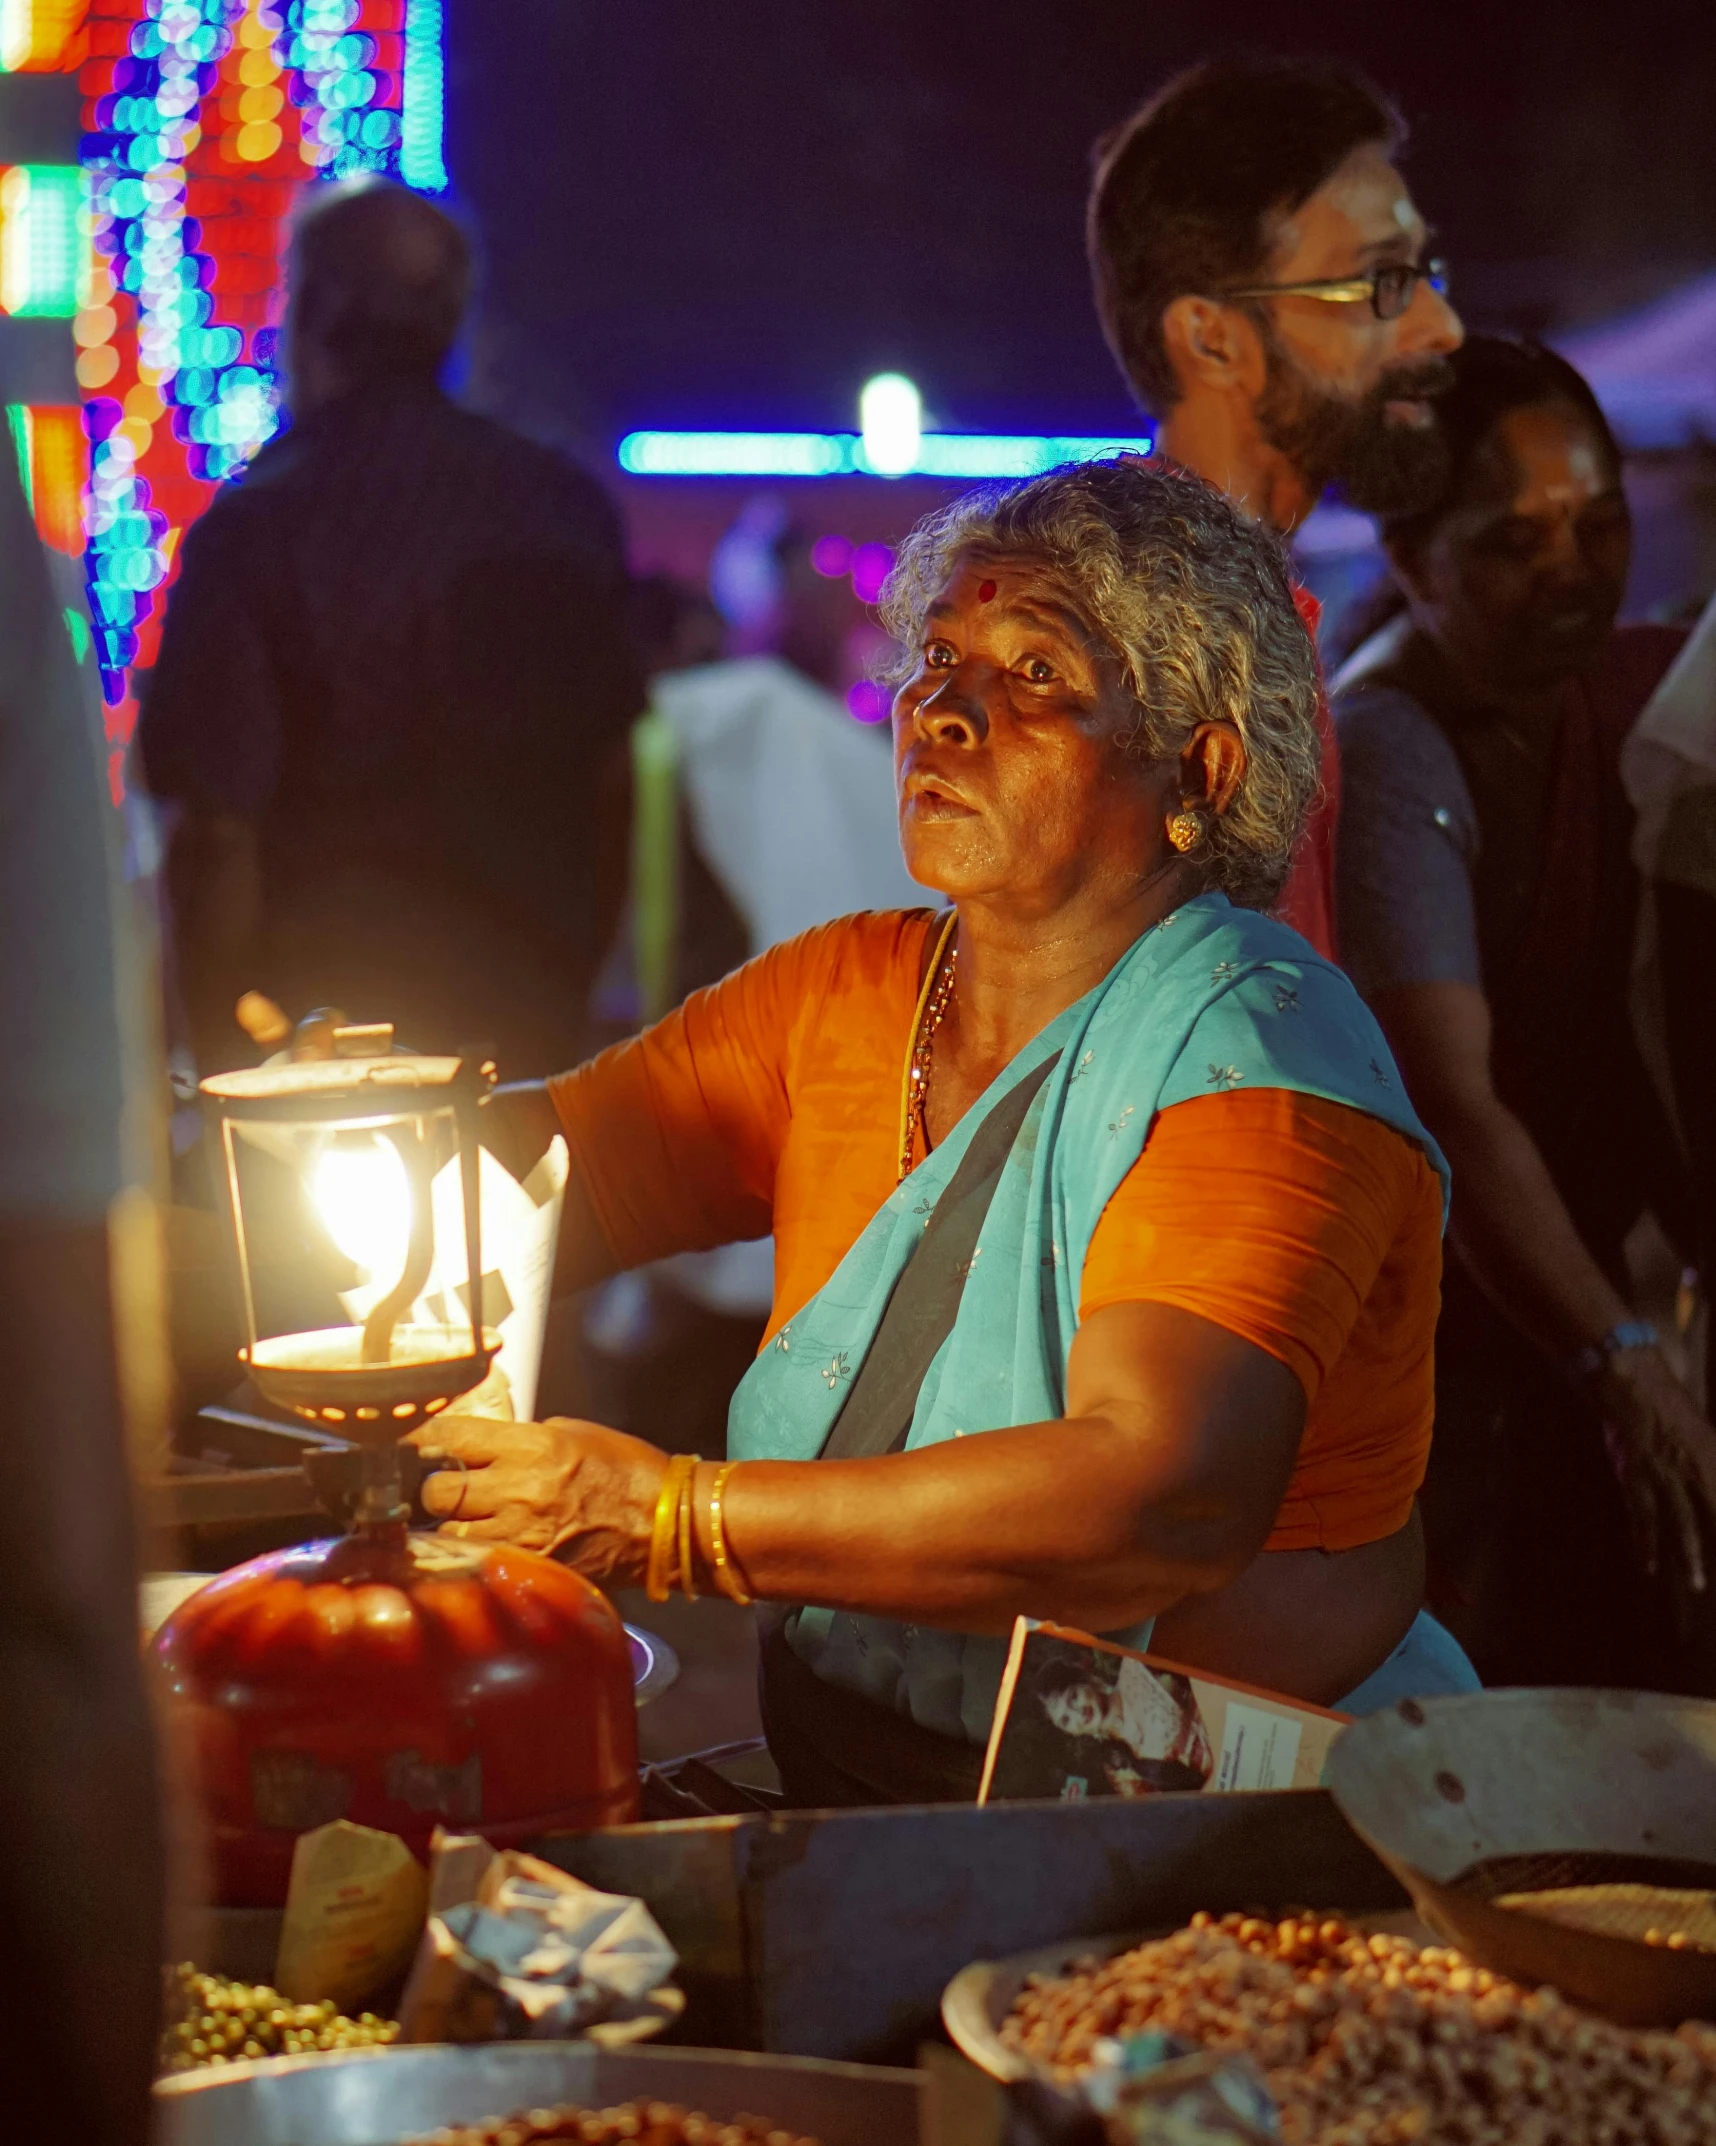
(397, 1679)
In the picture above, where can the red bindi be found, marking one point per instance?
(985, 590)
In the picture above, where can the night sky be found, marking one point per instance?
(731, 214)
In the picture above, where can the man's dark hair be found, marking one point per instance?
(1184, 190)
(1490, 375)
(379, 278)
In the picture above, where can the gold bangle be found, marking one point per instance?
(727, 1575)
(687, 1527)
(658, 1579)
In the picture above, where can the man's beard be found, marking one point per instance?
(1381, 467)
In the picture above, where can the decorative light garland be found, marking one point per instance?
(203, 118)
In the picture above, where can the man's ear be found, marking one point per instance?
(1212, 345)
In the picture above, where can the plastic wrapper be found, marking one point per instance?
(1147, 2090)
(516, 1950)
(1158, 2090)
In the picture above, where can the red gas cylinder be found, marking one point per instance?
(403, 1682)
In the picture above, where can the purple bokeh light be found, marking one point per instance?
(831, 556)
(871, 566)
(868, 701)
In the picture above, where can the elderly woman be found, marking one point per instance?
(1107, 1241)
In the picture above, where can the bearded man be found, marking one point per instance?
(1264, 281)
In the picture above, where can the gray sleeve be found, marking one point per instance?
(61, 1092)
(1406, 846)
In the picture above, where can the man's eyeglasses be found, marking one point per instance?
(1388, 291)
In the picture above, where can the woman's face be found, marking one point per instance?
(1076, 1710)
(1522, 580)
(1011, 776)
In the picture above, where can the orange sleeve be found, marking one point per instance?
(677, 1132)
(1267, 1212)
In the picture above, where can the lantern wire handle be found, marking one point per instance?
(419, 1255)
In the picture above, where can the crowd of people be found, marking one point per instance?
(1119, 1118)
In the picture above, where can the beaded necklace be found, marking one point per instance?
(933, 1002)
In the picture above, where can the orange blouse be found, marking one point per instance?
(771, 1101)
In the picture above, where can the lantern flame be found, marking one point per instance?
(363, 1196)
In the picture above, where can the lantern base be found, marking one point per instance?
(322, 1378)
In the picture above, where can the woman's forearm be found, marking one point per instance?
(1080, 1520)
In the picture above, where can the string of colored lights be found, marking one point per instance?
(956, 455)
(421, 163)
(202, 118)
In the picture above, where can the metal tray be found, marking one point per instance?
(978, 1999)
(1471, 1795)
(376, 2097)
(835, 1933)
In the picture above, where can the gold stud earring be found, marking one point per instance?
(1186, 831)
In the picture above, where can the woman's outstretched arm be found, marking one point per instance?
(1162, 1481)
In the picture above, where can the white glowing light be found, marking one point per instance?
(891, 421)
(363, 1197)
(842, 454)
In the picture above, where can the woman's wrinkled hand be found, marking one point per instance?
(576, 1490)
(1664, 1452)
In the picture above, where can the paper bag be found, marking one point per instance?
(354, 1913)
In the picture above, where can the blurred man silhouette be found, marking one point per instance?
(394, 685)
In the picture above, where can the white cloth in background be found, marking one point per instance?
(791, 800)
(792, 808)
(1670, 752)
(1672, 747)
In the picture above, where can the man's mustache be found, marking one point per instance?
(1419, 382)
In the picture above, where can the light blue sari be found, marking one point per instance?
(1211, 998)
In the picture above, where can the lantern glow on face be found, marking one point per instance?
(362, 1197)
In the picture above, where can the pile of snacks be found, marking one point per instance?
(1375, 2041)
(636, 2123)
(213, 2021)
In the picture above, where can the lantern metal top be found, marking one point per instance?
(320, 1080)
(335, 1067)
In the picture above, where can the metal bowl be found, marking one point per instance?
(376, 2097)
(975, 2004)
(1470, 1797)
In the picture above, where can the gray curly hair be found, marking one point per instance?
(1193, 600)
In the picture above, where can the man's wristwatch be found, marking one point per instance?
(1625, 1334)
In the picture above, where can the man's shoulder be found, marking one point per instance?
(1387, 732)
(531, 469)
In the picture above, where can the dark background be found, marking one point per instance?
(698, 212)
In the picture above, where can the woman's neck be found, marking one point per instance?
(1018, 971)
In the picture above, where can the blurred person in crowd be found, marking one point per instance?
(80, 1840)
(396, 655)
(1487, 906)
(1669, 767)
(1265, 284)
